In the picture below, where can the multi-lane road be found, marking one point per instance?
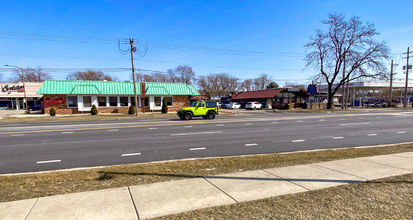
(45, 146)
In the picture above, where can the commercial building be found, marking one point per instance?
(72, 97)
(12, 96)
(273, 98)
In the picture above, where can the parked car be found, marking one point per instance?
(224, 106)
(206, 110)
(234, 105)
(219, 104)
(253, 105)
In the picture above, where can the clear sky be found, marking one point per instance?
(177, 30)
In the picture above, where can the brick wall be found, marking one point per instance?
(179, 101)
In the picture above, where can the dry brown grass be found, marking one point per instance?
(389, 198)
(24, 186)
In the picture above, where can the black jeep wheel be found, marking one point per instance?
(188, 116)
(211, 115)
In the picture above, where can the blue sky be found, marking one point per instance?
(278, 28)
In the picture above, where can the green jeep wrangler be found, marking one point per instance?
(206, 110)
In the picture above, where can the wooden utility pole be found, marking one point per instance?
(407, 79)
(344, 84)
(391, 83)
(132, 50)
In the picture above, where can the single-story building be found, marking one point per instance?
(12, 96)
(273, 98)
(71, 97)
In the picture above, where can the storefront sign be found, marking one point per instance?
(9, 88)
(56, 101)
(285, 101)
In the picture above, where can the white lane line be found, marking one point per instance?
(401, 132)
(131, 154)
(220, 125)
(322, 120)
(338, 137)
(248, 123)
(342, 119)
(372, 135)
(188, 126)
(274, 122)
(295, 141)
(113, 130)
(361, 117)
(199, 148)
(49, 161)
(17, 134)
(254, 144)
(209, 132)
(299, 121)
(364, 123)
(378, 117)
(152, 128)
(67, 132)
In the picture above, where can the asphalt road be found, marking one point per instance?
(31, 147)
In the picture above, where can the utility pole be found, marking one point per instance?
(391, 83)
(344, 84)
(407, 78)
(141, 53)
(132, 50)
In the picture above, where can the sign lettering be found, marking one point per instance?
(9, 88)
(56, 101)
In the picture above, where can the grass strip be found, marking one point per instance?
(25, 186)
(388, 198)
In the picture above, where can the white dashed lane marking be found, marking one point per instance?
(342, 119)
(14, 135)
(322, 120)
(188, 126)
(114, 130)
(372, 135)
(49, 161)
(254, 144)
(295, 141)
(131, 154)
(299, 121)
(67, 132)
(208, 132)
(248, 123)
(152, 128)
(401, 132)
(274, 122)
(338, 137)
(199, 148)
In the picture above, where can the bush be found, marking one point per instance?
(304, 105)
(131, 110)
(94, 110)
(52, 112)
(164, 106)
(287, 106)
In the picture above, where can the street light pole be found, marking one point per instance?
(24, 86)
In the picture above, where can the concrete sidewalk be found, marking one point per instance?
(164, 198)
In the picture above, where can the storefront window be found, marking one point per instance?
(113, 101)
(87, 101)
(169, 101)
(72, 101)
(123, 101)
(158, 101)
(102, 101)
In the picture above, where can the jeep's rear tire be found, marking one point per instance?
(211, 115)
(188, 116)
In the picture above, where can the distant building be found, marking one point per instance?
(216, 95)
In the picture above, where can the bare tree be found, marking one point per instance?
(262, 81)
(247, 85)
(159, 77)
(347, 43)
(294, 85)
(208, 84)
(95, 75)
(182, 74)
(30, 75)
